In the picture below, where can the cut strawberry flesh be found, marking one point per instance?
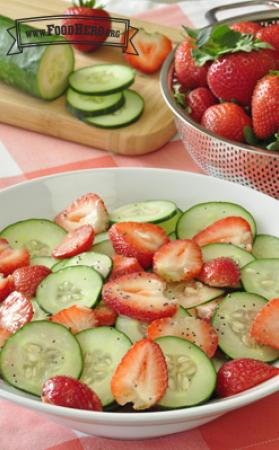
(105, 316)
(27, 279)
(76, 318)
(4, 335)
(12, 258)
(265, 329)
(6, 287)
(15, 312)
(123, 265)
(77, 241)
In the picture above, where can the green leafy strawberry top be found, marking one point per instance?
(215, 41)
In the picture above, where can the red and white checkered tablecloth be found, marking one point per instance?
(25, 155)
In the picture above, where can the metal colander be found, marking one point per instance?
(217, 156)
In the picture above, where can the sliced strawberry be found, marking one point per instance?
(198, 331)
(240, 374)
(140, 296)
(77, 241)
(66, 391)
(220, 272)
(179, 260)
(6, 287)
(87, 209)
(141, 377)
(4, 244)
(138, 240)
(231, 230)
(123, 265)
(265, 329)
(15, 312)
(77, 318)
(27, 279)
(152, 48)
(13, 258)
(4, 335)
(104, 315)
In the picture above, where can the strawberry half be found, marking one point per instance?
(15, 312)
(27, 279)
(138, 240)
(231, 230)
(152, 48)
(66, 391)
(4, 335)
(12, 258)
(87, 209)
(198, 331)
(265, 328)
(140, 296)
(141, 377)
(123, 265)
(179, 260)
(77, 241)
(220, 272)
(241, 374)
(76, 318)
(246, 27)
(6, 287)
(104, 315)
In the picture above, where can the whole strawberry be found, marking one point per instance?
(270, 34)
(234, 76)
(265, 106)
(198, 101)
(227, 120)
(240, 374)
(94, 24)
(188, 73)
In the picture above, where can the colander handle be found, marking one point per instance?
(211, 15)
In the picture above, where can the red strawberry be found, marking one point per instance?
(13, 258)
(241, 374)
(76, 318)
(246, 27)
(104, 315)
(77, 241)
(265, 328)
(198, 331)
(140, 296)
(152, 48)
(198, 100)
(179, 260)
(27, 279)
(226, 120)
(141, 377)
(6, 287)
(4, 244)
(188, 73)
(4, 335)
(102, 23)
(265, 106)
(15, 312)
(234, 76)
(87, 209)
(220, 272)
(231, 230)
(138, 240)
(123, 265)
(66, 391)
(270, 34)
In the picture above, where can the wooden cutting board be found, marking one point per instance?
(153, 129)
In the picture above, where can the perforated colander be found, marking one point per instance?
(217, 156)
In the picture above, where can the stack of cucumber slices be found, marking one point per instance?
(99, 96)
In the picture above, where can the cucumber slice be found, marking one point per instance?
(262, 277)
(101, 237)
(78, 285)
(102, 349)
(152, 211)
(102, 79)
(39, 313)
(127, 114)
(193, 293)
(240, 256)
(266, 247)
(104, 247)
(192, 376)
(232, 322)
(91, 105)
(202, 215)
(39, 236)
(46, 261)
(101, 263)
(37, 352)
(170, 225)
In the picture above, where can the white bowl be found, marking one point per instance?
(46, 196)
